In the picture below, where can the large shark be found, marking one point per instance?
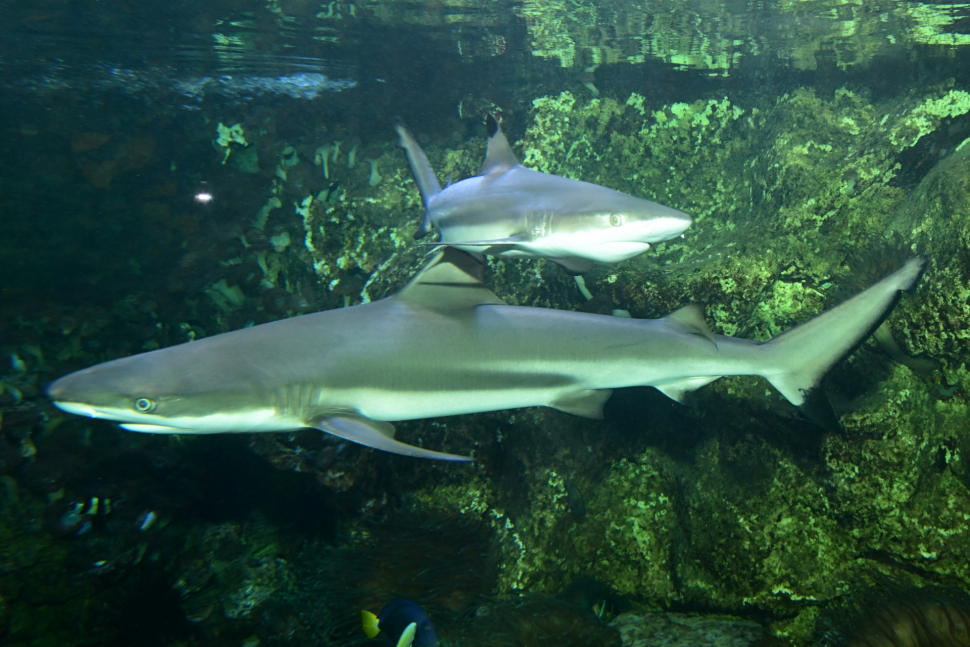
(509, 210)
(446, 345)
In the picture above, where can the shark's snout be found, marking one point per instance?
(91, 391)
(66, 389)
(56, 391)
(673, 225)
(665, 222)
(67, 396)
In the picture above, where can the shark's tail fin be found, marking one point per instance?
(799, 358)
(421, 169)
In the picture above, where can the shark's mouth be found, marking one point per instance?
(252, 420)
(93, 412)
(156, 429)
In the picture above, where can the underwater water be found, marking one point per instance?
(170, 172)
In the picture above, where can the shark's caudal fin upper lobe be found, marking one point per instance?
(799, 358)
(421, 170)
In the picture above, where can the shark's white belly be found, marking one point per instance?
(390, 406)
(575, 246)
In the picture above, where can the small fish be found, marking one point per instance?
(79, 518)
(401, 623)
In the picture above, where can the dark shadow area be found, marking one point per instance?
(236, 484)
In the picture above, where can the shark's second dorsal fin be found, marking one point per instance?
(691, 319)
(499, 157)
(450, 283)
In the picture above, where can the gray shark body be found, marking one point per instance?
(446, 345)
(511, 211)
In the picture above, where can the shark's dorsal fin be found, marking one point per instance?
(691, 319)
(450, 283)
(499, 157)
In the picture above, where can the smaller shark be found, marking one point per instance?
(511, 211)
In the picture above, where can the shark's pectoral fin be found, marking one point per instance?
(677, 390)
(450, 283)
(588, 403)
(374, 433)
(691, 319)
(574, 266)
(499, 157)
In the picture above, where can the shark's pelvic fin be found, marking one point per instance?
(421, 170)
(499, 157)
(374, 433)
(588, 403)
(691, 319)
(450, 283)
(799, 358)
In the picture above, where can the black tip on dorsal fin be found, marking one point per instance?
(499, 156)
(491, 125)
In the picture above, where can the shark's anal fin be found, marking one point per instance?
(588, 403)
(679, 389)
(499, 157)
(374, 433)
(450, 283)
(691, 319)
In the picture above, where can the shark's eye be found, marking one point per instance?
(144, 405)
(616, 220)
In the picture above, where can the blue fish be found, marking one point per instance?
(401, 623)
